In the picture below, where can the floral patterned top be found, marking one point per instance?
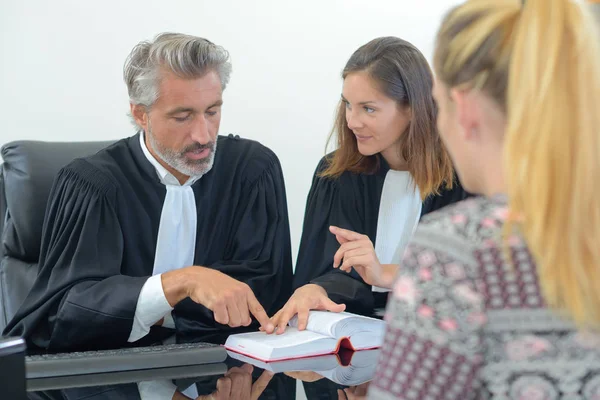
(464, 323)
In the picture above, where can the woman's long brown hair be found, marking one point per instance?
(402, 74)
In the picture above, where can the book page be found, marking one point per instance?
(291, 337)
(322, 322)
(291, 344)
(363, 332)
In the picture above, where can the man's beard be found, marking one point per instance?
(178, 160)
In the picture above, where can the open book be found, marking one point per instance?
(358, 369)
(325, 333)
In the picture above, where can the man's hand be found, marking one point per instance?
(354, 392)
(357, 251)
(237, 385)
(306, 298)
(230, 300)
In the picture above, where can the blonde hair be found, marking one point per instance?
(541, 62)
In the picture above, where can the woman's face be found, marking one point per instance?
(376, 120)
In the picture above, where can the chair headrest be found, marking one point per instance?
(28, 173)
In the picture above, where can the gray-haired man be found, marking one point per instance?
(174, 229)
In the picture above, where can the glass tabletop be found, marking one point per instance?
(342, 376)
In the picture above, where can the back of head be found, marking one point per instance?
(541, 63)
(186, 56)
(402, 73)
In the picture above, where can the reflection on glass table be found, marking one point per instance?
(344, 376)
(345, 368)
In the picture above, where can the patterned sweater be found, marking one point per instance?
(466, 323)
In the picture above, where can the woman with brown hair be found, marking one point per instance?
(390, 168)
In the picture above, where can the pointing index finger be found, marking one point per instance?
(345, 233)
(259, 313)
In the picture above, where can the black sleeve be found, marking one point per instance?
(258, 254)
(348, 289)
(331, 202)
(79, 291)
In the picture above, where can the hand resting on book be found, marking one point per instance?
(306, 298)
(325, 333)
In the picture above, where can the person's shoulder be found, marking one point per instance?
(345, 176)
(466, 219)
(345, 181)
(246, 155)
(325, 162)
(97, 170)
(322, 165)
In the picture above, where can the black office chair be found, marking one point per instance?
(26, 177)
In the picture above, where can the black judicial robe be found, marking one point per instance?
(100, 233)
(350, 201)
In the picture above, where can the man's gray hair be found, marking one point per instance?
(186, 56)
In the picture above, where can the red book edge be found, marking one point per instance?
(343, 342)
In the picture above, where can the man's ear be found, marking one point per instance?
(140, 115)
(465, 112)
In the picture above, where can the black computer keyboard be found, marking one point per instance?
(135, 358)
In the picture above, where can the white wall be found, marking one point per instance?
(61, 62)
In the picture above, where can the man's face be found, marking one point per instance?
(182, 125)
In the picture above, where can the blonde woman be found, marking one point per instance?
(499, 296)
